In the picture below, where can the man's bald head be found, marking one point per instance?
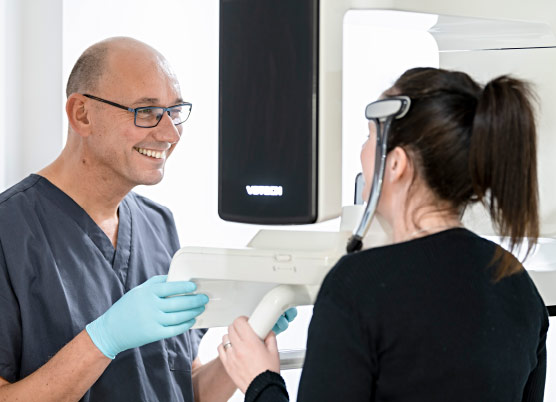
(94, 62)
(105, 137)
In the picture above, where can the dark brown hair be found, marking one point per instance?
(474, 144)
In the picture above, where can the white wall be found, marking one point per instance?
(3, 82)
(32, 98)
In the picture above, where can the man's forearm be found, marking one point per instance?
(64, 378)
(212, 383)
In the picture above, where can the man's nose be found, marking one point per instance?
(167, 131)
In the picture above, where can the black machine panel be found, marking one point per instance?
(267, 169)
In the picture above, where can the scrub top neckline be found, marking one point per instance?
(117, 258)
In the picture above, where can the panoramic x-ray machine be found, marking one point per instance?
(280, 134)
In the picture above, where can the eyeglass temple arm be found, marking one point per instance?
(129, 109)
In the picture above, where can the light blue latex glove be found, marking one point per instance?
(145, 314)
(284, 321)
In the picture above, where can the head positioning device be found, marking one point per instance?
(381, 112)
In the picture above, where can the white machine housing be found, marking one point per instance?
(279, 269)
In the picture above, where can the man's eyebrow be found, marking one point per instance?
(146, 100)
(154, 101)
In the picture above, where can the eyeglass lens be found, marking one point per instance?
(150, 116)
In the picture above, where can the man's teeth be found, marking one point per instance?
(151, 153)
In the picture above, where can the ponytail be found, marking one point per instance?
(503, 164)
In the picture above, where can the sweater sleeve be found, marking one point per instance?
(267, 387)
(534, 388)
(338, 363)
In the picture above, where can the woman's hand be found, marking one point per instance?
(245, 356)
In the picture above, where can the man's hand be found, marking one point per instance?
(146, 314)
(284, 320)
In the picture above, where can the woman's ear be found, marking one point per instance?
(78, 114)
(397, 164)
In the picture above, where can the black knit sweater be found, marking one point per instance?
(422, 320)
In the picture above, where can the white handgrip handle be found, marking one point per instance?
(275, 302)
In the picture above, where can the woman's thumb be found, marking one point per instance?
(270, 342)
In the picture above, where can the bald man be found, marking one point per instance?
(84, 307)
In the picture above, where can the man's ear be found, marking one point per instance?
(397, 164)
(78, 114)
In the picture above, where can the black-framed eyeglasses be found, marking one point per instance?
(150, 116)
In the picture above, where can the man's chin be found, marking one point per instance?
(150, 180)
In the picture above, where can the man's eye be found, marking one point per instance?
(145, 113)
(175, 112)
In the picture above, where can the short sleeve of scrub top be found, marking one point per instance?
(59, 271)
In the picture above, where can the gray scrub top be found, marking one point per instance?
(59, 271)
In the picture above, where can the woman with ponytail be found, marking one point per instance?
(441, 314)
